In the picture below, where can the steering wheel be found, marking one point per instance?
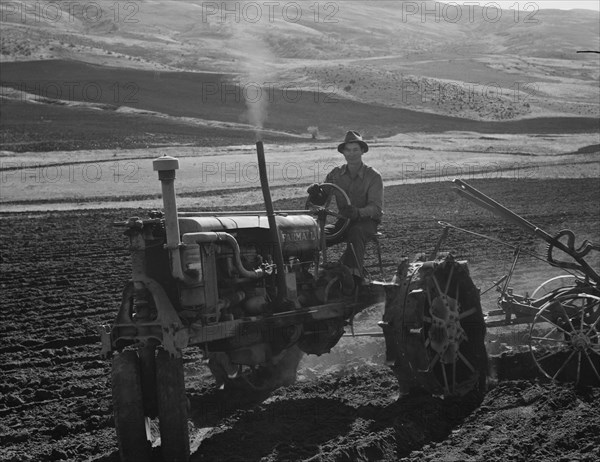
(336, 199)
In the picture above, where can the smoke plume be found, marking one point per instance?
(255, 69)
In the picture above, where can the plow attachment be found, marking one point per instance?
(563, 313)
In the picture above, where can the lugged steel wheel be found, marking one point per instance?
(457, 357)
(434, 329)
(172, 408)
(564, 339)
(130, 422)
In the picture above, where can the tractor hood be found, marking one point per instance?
(285, 223)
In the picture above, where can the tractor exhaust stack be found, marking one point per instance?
(275, 239)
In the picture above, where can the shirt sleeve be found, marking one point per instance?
(330, 177)
(374, 207)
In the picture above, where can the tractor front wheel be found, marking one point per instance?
(172, 408)
(130, 422)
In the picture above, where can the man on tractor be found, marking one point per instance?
(364, 187)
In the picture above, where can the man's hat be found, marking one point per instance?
(353, 137)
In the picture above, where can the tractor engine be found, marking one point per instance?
(228, 270)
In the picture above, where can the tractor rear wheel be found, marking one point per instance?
(130, 422)
(435, 331)
(459, 364)
(172, 408)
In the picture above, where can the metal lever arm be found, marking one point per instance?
(480, 199)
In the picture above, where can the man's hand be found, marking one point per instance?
(316, 194)
(350, 212)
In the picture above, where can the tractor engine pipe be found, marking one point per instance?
(212, 237)
(278, 253)
(166, 166)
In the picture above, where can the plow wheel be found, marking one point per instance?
(172, 408)
(130, 422)
(554, 284)
(564, 339)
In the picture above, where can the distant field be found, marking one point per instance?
(185, 97)
(41, 127)
(227, 175)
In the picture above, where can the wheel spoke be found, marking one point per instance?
(593, 326)
(554, 329)
(448, 281)
(437, 286)
(578, 368)
(564, 365)
(591, 364)
(549, 339)
(547, 356)
(556, 326)
(433, 361)
(464, 360)
(568, 318)
(446, 389)
(457, 295)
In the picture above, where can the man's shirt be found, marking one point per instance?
(365, 189)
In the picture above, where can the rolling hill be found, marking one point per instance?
(383, 66)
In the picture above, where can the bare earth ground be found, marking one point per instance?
(62, 273)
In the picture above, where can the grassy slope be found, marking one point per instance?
(366, 50)
(203, 96)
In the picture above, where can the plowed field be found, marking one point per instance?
(62, 274)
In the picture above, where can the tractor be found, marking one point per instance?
(253, 291)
